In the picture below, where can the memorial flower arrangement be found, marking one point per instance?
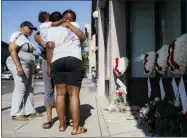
(118, 96)
(149, 62)
(177, 55)
(120, 65)
(118, 101)
(159, 114)
(161, 59)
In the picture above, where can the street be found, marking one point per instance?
(7, 86)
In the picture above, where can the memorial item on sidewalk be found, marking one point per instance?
(177, 55)
(161, 59)
(148, 61)
(117, 101)
(120, 65)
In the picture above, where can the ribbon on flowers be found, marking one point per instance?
(149, 87)
(183, 96)
(175, 89)
(162, 89)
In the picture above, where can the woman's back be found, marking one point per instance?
(66, 43)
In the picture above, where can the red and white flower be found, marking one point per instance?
(177, 55)
(149, 61)
(185, 115)
(120, 94)
(120, 65)
(161, 59)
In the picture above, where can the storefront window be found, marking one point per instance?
(142, 34)
(144, 29)
(170, 21)
(186, 15)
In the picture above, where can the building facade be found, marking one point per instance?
(91, 48)
(4, 54)
(129, 29)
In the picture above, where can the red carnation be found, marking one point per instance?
(170, 60)
(123, 110)
(120, 94)
(116, 67)
(145, 62)
(185, 115)
(156, 64)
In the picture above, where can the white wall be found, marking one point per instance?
(116, 38)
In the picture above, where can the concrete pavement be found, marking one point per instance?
(99, 123)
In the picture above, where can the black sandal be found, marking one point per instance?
(47, 125)
(71, 123)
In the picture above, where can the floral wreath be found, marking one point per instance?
(149, 62)
(120, 65)
(177, 51)
(161, 59)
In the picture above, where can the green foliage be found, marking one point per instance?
(85, 56)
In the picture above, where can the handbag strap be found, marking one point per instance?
(16, 38)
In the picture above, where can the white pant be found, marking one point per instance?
(22, 98)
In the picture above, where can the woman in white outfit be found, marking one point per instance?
(21, 63)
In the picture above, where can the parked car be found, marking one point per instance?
(38, 76)
(7, 75)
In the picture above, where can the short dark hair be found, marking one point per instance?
(42, 16)
(55, 16)
(71, 12)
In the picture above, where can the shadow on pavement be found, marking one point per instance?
(85, 111)
(5, 108)
(40, 109)
(39, 93)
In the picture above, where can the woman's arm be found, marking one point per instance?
(57, 23)
(39, 41)
(50, 49)
(13, 49)
(77, 31)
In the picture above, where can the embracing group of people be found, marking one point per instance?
(60, 39)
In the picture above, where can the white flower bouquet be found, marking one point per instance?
(120, 65)
(149, 61)
(177, 55)
(161, 59)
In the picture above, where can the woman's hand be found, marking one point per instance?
(66, 24)
(20, 71)
(39, 41)
(49, 71)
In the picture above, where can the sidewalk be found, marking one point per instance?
(99, 123)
